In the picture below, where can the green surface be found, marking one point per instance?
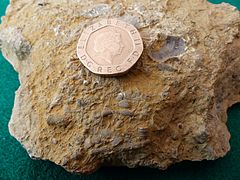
(15, 163)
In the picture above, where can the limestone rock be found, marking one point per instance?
(170, 107)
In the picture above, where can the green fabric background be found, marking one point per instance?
(16, 164)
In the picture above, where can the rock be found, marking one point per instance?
(57, 120)
(142, 132)
(201, 138)
(179, 91)
(106, 112)
(12, 36)
(96, 11)
(172, 47)
(14, 45)
(116, 141)
(54, 141)
(80, 103)
(125, 112)
(124, 104)
(165, 67)
(120, 96)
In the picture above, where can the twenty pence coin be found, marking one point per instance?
(109, 47)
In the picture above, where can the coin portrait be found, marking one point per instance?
(109, 47)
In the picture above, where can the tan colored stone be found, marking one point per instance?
(171, 106)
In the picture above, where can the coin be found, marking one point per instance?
(109, 47)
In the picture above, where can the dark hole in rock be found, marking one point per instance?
(172, 47)
(43, 4)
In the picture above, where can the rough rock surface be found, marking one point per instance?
(170, 107)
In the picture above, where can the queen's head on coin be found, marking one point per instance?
(107, 45)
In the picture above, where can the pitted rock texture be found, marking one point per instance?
(171, 106)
